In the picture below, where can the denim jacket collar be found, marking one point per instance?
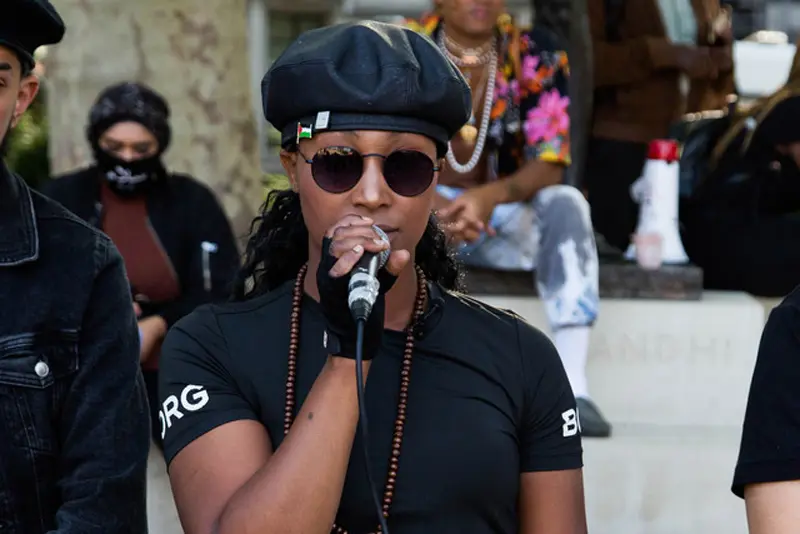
(19, 236)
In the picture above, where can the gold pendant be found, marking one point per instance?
(469, 133)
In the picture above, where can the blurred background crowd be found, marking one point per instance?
(207, 64)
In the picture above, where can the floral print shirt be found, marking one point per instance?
(529, 118)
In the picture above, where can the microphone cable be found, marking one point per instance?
(362, 419)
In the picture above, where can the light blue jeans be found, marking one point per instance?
(552, 235)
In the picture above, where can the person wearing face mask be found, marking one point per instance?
(177, 243)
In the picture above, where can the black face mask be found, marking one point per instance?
(129, 178)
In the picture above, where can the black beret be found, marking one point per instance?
(25, 25)
(130, 101)
(365, 76)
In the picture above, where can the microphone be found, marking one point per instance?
(363, 291)
(364, 286)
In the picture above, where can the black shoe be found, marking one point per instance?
(593, 424)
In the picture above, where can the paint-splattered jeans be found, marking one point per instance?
(552, 234)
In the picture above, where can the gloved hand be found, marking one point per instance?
(342, 247)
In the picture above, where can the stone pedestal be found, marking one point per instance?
(648, 479)
(195, 54)
(680, 363)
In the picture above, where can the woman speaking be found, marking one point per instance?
(471, 421)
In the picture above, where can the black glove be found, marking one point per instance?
(341, 327)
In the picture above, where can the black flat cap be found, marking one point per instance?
(365, 76)
(25, 25)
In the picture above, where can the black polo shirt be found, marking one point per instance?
(488, 400)
(770, 448)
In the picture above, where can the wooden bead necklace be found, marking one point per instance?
(405, 375)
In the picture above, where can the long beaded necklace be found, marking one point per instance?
(405, 376)
(469, 128)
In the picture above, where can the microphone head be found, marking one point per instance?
(383, 256)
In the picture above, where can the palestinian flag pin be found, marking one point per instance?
(303, 132)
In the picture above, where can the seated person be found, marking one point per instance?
(176, 241)
(500, 194)
(742, 224)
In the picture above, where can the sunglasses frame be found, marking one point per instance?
(353, 152)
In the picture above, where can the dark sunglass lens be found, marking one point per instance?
(408, 172)
(337, 169)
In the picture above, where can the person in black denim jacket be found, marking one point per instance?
(74, 425)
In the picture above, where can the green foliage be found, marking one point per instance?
(273, 137)
(28, 145)
(275, 181)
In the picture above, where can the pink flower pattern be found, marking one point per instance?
(501, 87)
(548, 120)
(529, 66)
(514, 88)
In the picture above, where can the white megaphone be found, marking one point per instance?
(657, 193)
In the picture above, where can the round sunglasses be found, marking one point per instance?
(337, 169)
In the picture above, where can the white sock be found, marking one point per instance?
(573, 346)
